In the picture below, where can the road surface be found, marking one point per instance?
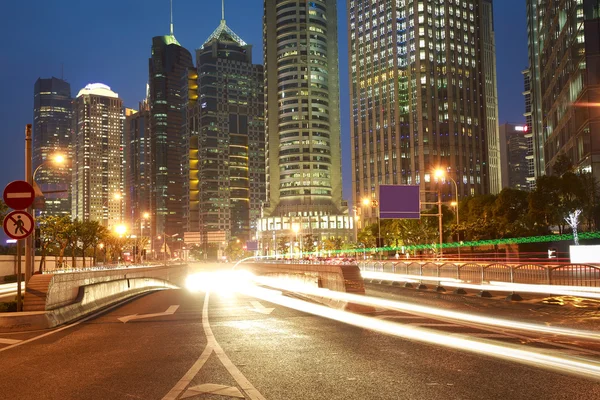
(235, 345)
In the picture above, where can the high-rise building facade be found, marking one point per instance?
(529, 132)
(97, 186)
(168, 68)
(227, 140)
(422, 95)
(52, 135)
(564, 38)
(514, 148)
(137, 169)
(491, 95)
(303, 152)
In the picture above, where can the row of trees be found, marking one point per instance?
(66, 238)
(61, 235)
(511, 213)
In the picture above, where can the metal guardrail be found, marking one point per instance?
(479, 273)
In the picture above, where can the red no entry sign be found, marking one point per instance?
(18, 225)
(19, 195)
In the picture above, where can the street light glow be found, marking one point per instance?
(120, 229)
(366, 201)
(117, 196)
(295, 228)
(59, 159)
(439, 173)
(146, 215)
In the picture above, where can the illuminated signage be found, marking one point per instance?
(521, 128)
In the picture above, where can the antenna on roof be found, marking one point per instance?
(171, 17)
(223, 10)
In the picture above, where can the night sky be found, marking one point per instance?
(109, 41)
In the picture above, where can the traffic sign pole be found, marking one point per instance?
(19, 301)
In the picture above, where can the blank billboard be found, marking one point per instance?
(399, 202)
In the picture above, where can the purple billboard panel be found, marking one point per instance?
(399, 202)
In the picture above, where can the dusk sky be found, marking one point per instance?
(109, 42)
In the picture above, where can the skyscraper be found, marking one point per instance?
(168, 68)
(422, 91)
(303, 152)
(491, 95)
(97, 184)
(137, 168)
(564, 40)
(227, 140)
(514, 145)
(52, 135)
(529, 132)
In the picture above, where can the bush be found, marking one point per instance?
(10, 306)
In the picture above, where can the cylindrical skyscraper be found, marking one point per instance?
(304, 180)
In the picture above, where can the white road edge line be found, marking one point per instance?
(213, 345)
(73, 324)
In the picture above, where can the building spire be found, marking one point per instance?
(223, 11)
(171, 17)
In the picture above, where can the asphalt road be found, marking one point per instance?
(242, 348)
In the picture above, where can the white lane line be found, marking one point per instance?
(73, 324)
(9, 341)
(187, 378)
(213, 345)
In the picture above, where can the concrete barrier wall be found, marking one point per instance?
(63, 289)
(8, 263)
(55, 299)
(340, 278)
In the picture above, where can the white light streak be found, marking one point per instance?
(563, 364)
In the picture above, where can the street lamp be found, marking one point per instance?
(374, 203)
(441, 174)
(145, 216)
(56, 159)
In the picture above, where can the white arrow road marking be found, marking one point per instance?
(259, 308)
(212, 388)
(9, 341)
(170, 311)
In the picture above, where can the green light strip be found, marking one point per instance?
(531, 239)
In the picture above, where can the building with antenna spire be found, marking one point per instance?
(168, 67)
(226, 139)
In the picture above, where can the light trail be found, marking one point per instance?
(558, 363)
(585, 291)
(386, 276)
(544, 289)
(428, 311)
(555, 362)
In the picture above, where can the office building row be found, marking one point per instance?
(228, 149)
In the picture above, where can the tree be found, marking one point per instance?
(308, 244)
(367, 237)
(234, 250)
(282, 245)
(87, 234)
(561, 165)
(100, 236)
(3, 209)
(196, 252)
(50, 228)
